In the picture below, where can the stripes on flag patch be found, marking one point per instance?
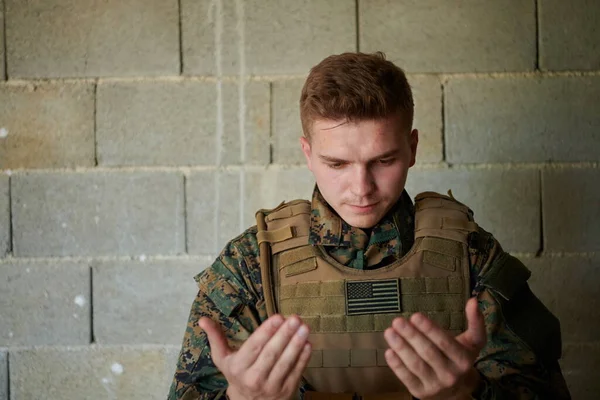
(372, 297)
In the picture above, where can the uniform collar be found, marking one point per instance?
(327, 228)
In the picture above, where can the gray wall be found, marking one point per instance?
(138, 136)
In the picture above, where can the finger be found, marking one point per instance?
(475, 336)
(398, 338)
(219, 348)
(423, 346)
(476, 324)
(272, 350)
(289, 357)
(296, 373)
(410, 380)
(453, 354)
(252, 348)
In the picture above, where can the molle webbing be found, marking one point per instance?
(354, 396)
(322, 305)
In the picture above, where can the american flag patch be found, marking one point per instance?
(372, 297)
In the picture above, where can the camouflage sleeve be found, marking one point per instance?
(509, 367)
(229, 293)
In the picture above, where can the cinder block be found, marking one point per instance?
(91, 372)
(568, 286)
(76, 38)
(246, 123)
(98, 213)
(4, 215)
(522, 119)
(264, 36)
(569, 35)
(213, 210)
(444, 36)
(427, 95)
(505, 202)
(182, 123)
(580, 365)
(267, 188)
(3, 375)
(44, 303)
(143, 302)
(287, 128)
(570, 208)
(46, 125)
(172, 355)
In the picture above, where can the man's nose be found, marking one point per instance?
(362, 182)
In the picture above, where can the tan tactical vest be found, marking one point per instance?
(347, 309)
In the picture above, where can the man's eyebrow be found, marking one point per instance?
(340, 160)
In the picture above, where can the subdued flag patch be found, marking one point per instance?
(372, 297)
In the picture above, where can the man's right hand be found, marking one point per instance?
(269, 364)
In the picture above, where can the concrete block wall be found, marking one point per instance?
(137, 137)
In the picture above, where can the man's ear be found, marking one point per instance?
(306, 150)
(414, 141)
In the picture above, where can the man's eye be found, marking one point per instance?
(386, 161)
(335, 165)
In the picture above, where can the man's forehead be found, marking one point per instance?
(326, 129)
(329, 124)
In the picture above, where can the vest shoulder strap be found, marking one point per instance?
(281, 228)
(438, 215)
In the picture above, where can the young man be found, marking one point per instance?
(359, 293)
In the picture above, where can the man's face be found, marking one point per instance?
(361, 167)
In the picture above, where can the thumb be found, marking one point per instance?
(475, 336)
(219, 347)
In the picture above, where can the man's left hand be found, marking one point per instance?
(430, 362)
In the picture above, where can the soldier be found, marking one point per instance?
(360, 293)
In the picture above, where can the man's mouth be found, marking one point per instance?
(363, 208)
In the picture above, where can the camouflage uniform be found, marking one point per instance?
(230, 293)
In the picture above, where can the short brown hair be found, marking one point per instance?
(355, 87)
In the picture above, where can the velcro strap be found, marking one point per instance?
(354, 396)
(327, 396)
(389, 396)
(435, 200)
(296, 255)
(431, 222)
(301, 267)
(289, 211)
(443, 246)
(278, 235)
(440, 260)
